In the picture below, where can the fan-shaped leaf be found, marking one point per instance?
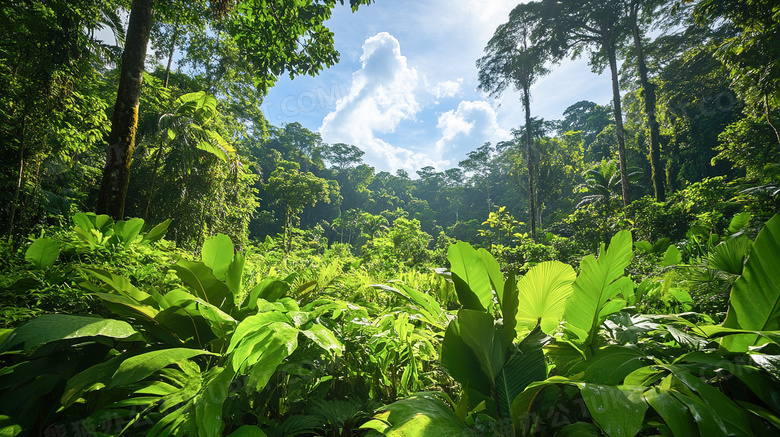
(542, 295)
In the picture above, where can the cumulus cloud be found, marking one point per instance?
(382, 96)
(468, 127)
(447, 88)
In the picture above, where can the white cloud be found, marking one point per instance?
(447, 88)
(381, 97)
(468, 127)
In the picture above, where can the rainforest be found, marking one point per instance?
(174, 263)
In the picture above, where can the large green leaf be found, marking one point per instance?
(509, 312)
(128, 230)
(599, 281)
(672, 411)
(542, 295)
(619, 411)
(217, 253)
(199, 277)
(324, 338)
(478, 331)
(234, 276)
(522, 367)
(610, 365)
(739, 222)
(460, 361)
(54, 327)
(141, 366)
(471, 278)
(755, 297)
(157, 232)
(268, 352)
(422, 414)
(43, 253)
(729, 256)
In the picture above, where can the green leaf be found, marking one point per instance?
(739, 223)
(268, 289)
(234, 276)
(610, 365)
(478, 331)
(157, 232)
(461, 362)
(729, 256)
(755, 297)
(673, 412)
(672, 256)
(43, 253)
(54, 327)
(579, 429)
(542, 295)
(128, 230)
(599, 281)
(268, 352)
(471, 278)
(324, 338)
(199, 277)
(217, 253)
(619, 411)
(509, 307)
(141, 366)
(422, 414)
(247, 431)
(522, 367)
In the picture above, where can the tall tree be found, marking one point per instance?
(513, 60)
(637, 10)
(597, 26)
(292, 38)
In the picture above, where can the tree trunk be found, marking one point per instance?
(528, 143)
(650, 105)
(19, 176)
(170, 54)
(618, 112)
(121, 140)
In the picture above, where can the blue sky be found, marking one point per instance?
(405, 89)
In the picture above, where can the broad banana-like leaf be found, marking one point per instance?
(674, 413)
(521, 368)
(141, 366)
(729, 256)
(157, 232)
(672, 256)
(269, 289)
(461, 362)
(509, 312)
(199, 277)
(217, 253)
(470, 276)
(619, 411)
(247, 431)
(542, 295)
(422, 414)
(479, 332)
(739, 222)
(755, 297)
(324, 338)
(126, 231)
(234, 276)
(120, 285)
(53, 327)
(268, 352)
(610, 365)
(207, 408)
(43, 253)
(599, 281)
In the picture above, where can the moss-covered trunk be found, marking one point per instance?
(121, 140)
